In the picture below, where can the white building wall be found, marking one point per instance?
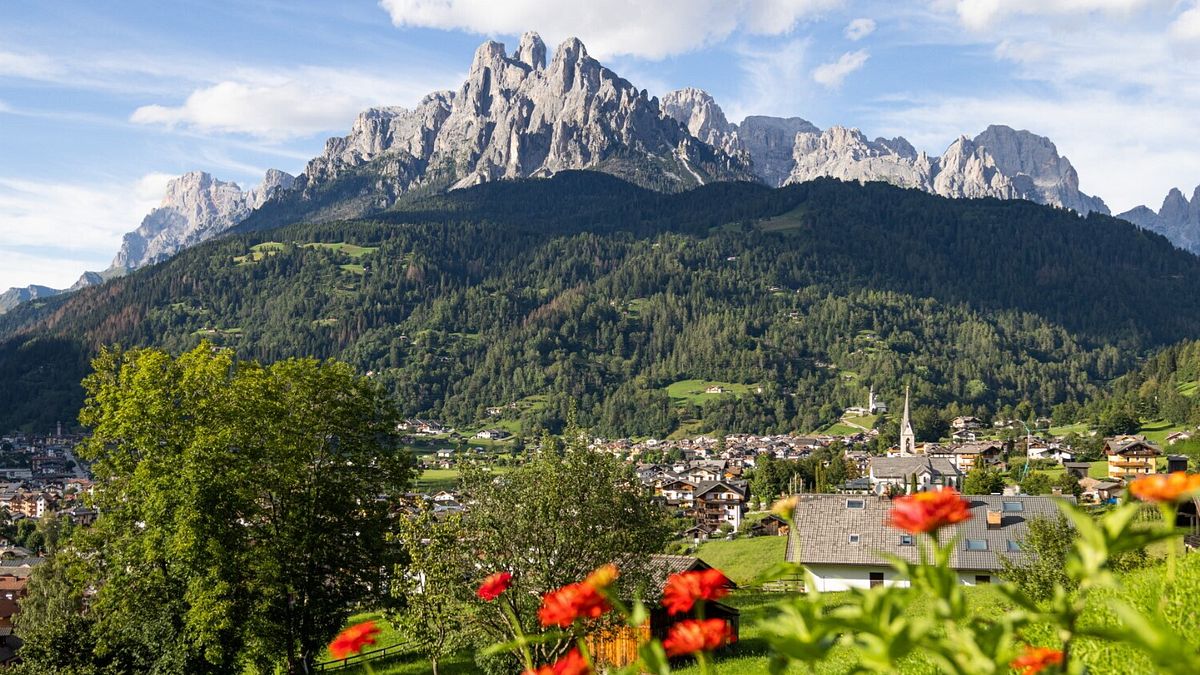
(833, 578)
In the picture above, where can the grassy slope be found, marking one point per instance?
(745, 558)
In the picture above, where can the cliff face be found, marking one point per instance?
(195, 207)
(1178, 219)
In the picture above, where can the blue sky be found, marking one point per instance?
(102, 103)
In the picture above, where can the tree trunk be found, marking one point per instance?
(433, 664)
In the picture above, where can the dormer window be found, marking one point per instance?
(855, 504)
(854, 538)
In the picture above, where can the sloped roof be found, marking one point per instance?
(824, 525)
(903, 467)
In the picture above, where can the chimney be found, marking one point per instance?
(993, 519)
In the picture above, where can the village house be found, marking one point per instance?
(721, 503)
(899, 473)
(842, 539)
(964, 423)
(1131, 456)
(967, 456)
(493, 434)
(1097, 490)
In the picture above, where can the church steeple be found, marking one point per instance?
(908, 440)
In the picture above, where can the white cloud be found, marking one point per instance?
(613, 27)
(832, 74)
(775, 80)
(282, 105)
(1186, 27)
(859, 29)
(27, 66)
(979, 14)
(68, 227)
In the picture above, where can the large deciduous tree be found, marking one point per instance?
(553, 521)
(243, 506)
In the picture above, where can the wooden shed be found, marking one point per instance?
(618, 645)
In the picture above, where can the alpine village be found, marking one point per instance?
(547, 373)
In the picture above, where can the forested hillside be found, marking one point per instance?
(528, 296)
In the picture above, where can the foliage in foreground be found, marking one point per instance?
(238, 524)
(876, 624)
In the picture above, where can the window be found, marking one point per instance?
(855, 504)
(854, 538)
(1013, 546)
(906, 540)
(1013, 507)
(983, 579)
(977, 545)
(876, 579)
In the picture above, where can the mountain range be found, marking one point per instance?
(521, 115)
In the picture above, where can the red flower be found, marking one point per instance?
(929, 511)
(352, 640)
(684, 589)
(572, 663)
(574, 601)
(1166, 488)
(1037, 659)
(494, 585)
(582, 600)
(688, 637)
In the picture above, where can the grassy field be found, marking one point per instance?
(433, 480)
(744, 558)
(693, 391)
(1158, 430)
(1079, 428)
(352, 250)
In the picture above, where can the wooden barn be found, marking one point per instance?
(618, 646)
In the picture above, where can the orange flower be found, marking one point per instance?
(1166, 488)
(1037, 659)
(583, 600)
(352, 640)
(572, 663)
(684, 589)
(494, 585)
(929, 511)
(688, 637)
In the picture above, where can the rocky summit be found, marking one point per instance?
(519, 116)
(1177, 219)
(196, 207)
(1000, 162)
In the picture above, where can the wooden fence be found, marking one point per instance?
(363, 657)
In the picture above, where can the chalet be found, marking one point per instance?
(493, 434)
(1078, 469)
(964, 423)
(715, 389)
(967, 456)
(1098, 490)
(1131, 456)
(617, 646)
(843, 540)
(899, 473)
(721, 502)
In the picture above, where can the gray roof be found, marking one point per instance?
(824, 525)
(903, 467)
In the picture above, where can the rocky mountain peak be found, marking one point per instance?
(696, 110)
(532, 51)
(1177, 219)
(1036, 170)
(195, 207)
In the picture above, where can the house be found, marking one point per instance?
(842, 540)
(721, 502)
(1131, 456)
(715, 389)
(898, 473)
(964, 436)
(1098, 490)
(964, 423)
(617, 645)
(493, 434)
(967, 456)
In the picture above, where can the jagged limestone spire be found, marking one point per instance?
(908, 440)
